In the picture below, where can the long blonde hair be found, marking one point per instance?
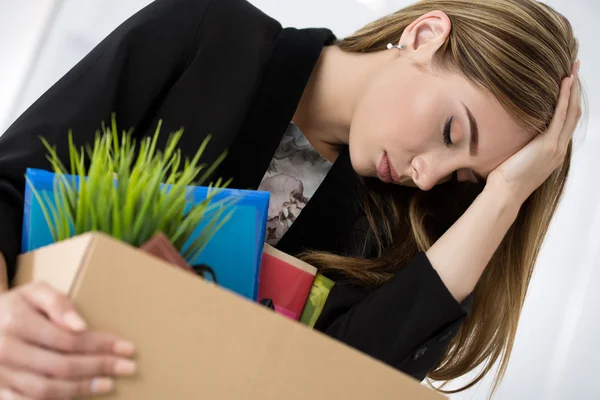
(519, 50)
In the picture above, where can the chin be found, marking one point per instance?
(360, 164)
(361, 170)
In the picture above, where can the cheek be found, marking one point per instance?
(374, 122)
(378, 109)
(397, 107)
(415, 125)
(498, 143)
(399, 114)
(494, 154)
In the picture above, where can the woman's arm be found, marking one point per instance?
(462, 253)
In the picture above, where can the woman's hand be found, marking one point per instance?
(526, 170)
(46, 352)
(460, 260)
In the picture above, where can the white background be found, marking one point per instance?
(556, 354)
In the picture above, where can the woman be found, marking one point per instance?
(417, 162)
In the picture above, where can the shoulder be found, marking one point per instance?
(185, 18)
(178, 30)
(167, 15)
(164, 28)
(212, 23)
(236, 17)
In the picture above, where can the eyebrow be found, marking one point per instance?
(473, 130)
(474, 142)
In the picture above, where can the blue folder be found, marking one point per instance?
(234, 252)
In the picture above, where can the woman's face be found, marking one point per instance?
(418, 127)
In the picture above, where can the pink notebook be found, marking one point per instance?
(285, 280)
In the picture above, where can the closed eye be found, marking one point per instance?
(446, 132)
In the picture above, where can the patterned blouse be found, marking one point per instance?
(295, 173)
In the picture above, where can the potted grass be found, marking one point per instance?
(135, 193)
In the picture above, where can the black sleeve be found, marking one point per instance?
(125, 74)
(407, 323)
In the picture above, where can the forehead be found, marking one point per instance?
(500, 135)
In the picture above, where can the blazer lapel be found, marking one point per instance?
(332, 210)
(286, 75)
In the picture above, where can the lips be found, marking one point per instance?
(386, 170)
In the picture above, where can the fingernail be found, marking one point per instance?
(124, 348)
(102, 385)
(74, 321)
(125, 367)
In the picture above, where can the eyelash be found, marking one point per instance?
(446, 132)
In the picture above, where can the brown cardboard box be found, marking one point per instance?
(198, 341)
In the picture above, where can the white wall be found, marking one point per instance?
(76, 27)
(556, 354)
(22, 24)
(556, 351)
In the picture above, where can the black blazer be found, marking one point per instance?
(224, 68)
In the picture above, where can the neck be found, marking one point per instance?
(324, 114)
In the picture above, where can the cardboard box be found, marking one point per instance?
(198, 341)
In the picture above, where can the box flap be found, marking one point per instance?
(57, 264)
(196, 340)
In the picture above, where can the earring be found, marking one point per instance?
(400, 46)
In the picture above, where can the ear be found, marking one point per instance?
(424, 36)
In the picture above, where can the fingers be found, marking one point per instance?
(24, 322)
(18, 354)
(32, 327)
(57, 306)
(562, 108)
(25, 385)
(23, 319)
(574, 110)
(46, 352)
(7, 394)
(91, 342)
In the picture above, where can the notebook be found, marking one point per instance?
(285, 280)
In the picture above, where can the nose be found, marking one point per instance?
(427, 174)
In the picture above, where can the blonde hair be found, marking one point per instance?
(519, 50)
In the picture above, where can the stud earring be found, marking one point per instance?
(400, 46)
